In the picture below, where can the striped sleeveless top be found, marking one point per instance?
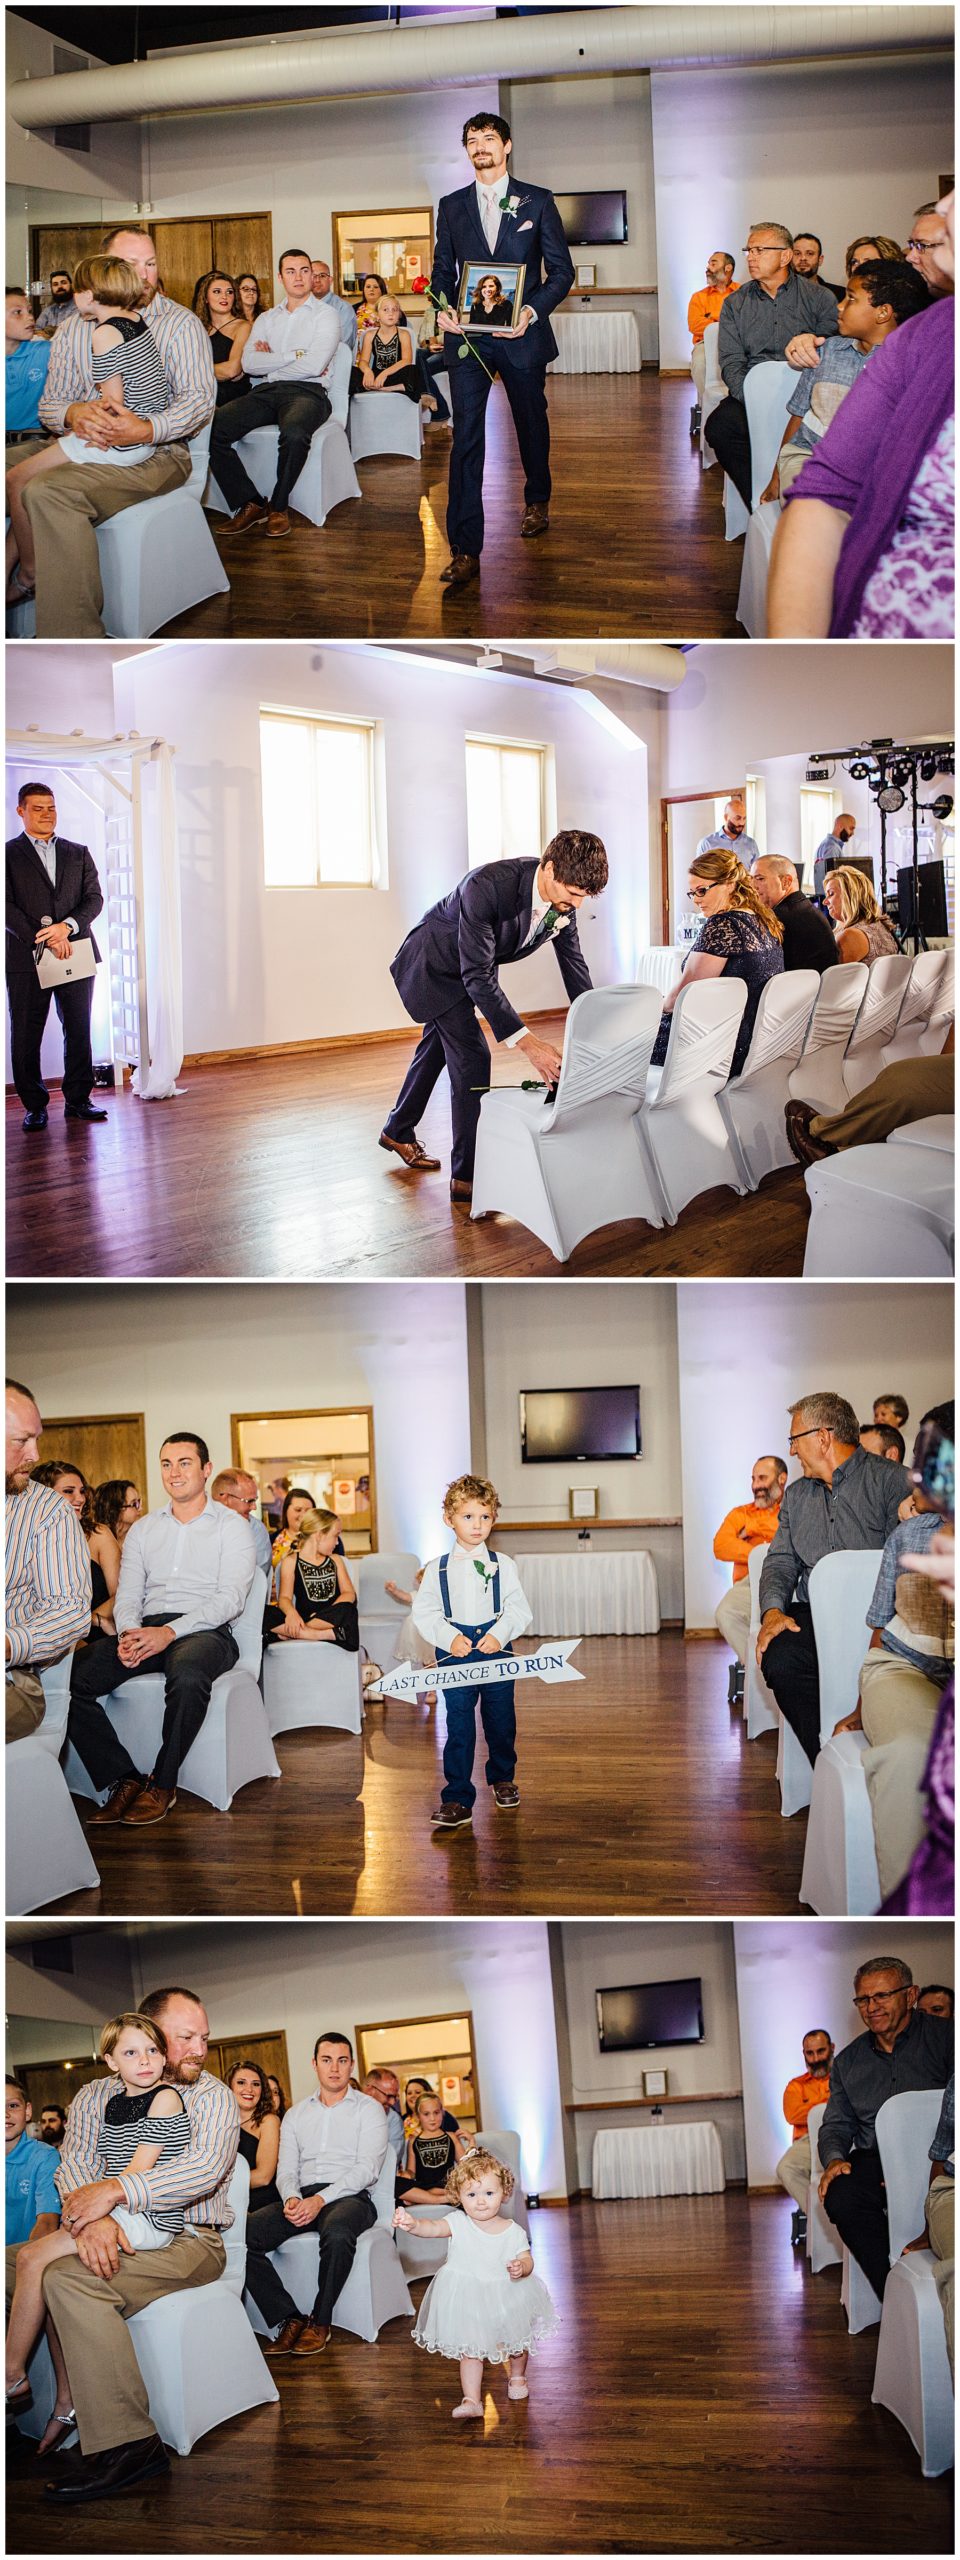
(124, 2127)
(145, 386)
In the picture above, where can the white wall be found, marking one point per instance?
(189, 1356)
(45, 181)
(746, 1350)
(837, 147)
(598, 1955)
(576, 135)
(263, 967)
(738, 708)
(792, 1979)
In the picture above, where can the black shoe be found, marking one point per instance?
(798, 2230)
(83, 1111)
(35, 1119)
(735, 1685)
(696, 421)
(106, 2475)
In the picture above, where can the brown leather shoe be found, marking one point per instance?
(533, 521)
(312, 2340)
(462, 1191)
(152, 1805)
(506, 1795)
(118, 1803)
(246, 517)
(451, 1817)
(460, 570)
(410, 1153)
(284, 2342)
(807, 1150)
(278, 523)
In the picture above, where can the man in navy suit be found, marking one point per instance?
(53, 894)
(449, 965)
(497, 218)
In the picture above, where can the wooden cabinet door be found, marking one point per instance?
(64, 247)
(106, 1447)
(243, 246)
(184, 253)
(270, 2051)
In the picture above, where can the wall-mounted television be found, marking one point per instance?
(642, 2016)
(569, 1425)
(597, 220)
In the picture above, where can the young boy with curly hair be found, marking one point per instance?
(470, 1604)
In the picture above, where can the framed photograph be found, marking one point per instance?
(586, 276)
(491, 294)
(583, 1502)
(654, 2084)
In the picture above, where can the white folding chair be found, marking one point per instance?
(714, 388)
(840, 1852)
(328, 476)
(818, 1075)
(755, 571)
(159, 558)
(941, 1010)
(568, 1165)
(381, 1617)
(759, 1703)
(887, 983)
(196, 2351)
(233, 1746)
(882, 1212)
(660, 965)
(753, 1104)
(912, 2375)
(685, 1141)
(824, 2246)
(766, 391)
(917, 1007)
(385, 422)
(47, 1854)
(312, 1684)
(376, 2289)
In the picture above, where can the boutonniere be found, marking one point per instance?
(554, 922)
(485, 1577)
(510, 204)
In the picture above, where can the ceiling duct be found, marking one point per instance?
(652, 664)
(564, 44)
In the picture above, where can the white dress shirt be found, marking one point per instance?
(341, 2148)
(46, 847)
(471, 1598)
(301, 344)
(197, 1571)
(541, 907)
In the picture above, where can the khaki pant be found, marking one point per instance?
(913, 1089)
(65, 508)
(940, 2227)
(793, 2171)
(698, 368)
(25, 1703)
(898, 1707)
(733, 1618)
(90, 2313)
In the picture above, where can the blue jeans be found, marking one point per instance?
(498, 1718)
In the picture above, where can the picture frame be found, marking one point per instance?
(586, 277)
(584, 1502)
(502, 310)
(654, 2084)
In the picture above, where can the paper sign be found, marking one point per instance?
(482, 1671)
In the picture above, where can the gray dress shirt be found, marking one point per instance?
(862, 2077)
(340, 2148)
(857, 1509)
(196, 1571)
(756, 327)
(744, 846)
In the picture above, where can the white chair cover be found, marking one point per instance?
(752, 598)
(661, 965)
(794, 1773)
(861, 2304)
(766, 391)
(376, 2289)
(881, 1213)
(159, 558)
(683, 1136)
(824, 2246)
(312, 1684)
(818, 1075)
(233, 1745)
(328, 476)
(47, 1854)
(840, 1854)
(876, 1021)
(905, 2129)
(938, 1132)
(385, 422)
(714, 388)
(913, 2371)
(574, 1165)
(941, 1010)
(381, 1617)
(199, 2361)
(913, 1019)
(753, 1105)
(759, 1703)
(841, 1589)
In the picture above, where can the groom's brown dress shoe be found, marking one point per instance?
(534, 520)
(460, 570)
(411, 1153)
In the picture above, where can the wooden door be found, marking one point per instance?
(64, 247)
(269, 2050)
(53, 2084)
(184, 253)
(243, 246)
(105, 1446)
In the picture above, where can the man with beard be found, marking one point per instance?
(47, 1570)
(53, 2126)
(60, 304)
(91, 2297)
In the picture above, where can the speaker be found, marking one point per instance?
(832, 862)
(933, 900)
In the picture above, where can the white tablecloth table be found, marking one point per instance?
(597, 342)
(658, 2160)
(662, 965)
(613, 1594)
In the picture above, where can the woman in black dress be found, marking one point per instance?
(259, 2132)
(318, 1603)
(102, 1547)
(215, 303)
(739, 937)
(487, 303)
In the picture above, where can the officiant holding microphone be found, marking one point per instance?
(448, 969)
(53, 894)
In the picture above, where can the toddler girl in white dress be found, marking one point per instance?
(485, 2304)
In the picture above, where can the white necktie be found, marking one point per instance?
(491, 219)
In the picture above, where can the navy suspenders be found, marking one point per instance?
(445, 1594)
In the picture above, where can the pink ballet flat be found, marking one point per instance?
(468, 2409)
(517, 2391)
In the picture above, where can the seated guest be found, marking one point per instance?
(807, 939)
(891, 1409)
(702, 310)
(861, 931)
(385, 358)
(431, 2153)
(913, 1089)
(317, 1600)
(322, 290)
(216, 305)
(811, 2088)
(385, 2087)
(756, 326)
(865, 251)
(185, 1573)
(332, 2149)
(32, 2212)
(844, 1501)
(905, 1673)
(102, 1547)
(926, 238)
(295, 1503)
(883, 1440)
(53, 2126)
(877, 299)
(27, 363)
(60, 304)
(240, 1493)
(938, 2233)
(250, 300)
(808, 260)
(118, 1504)
(898, 2050)
(371, 289)
(288, 355)
(259, 2132)
(414, 2091)
(739, 937)
(751, 1524)
(732, 837)
(47, 1571)
(277, 2095)
(936, 2001)
(864, 546)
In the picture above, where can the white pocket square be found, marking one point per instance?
(524, 226)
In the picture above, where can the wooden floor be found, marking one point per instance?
(640, 1794)
(217, 1185)
(635, 550)
(703, 2394)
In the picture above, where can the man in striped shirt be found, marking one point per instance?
(93, 2295)
(47, 1570)
(66, 507)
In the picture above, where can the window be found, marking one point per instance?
(319, 796)
(511, 810)
(818, 809)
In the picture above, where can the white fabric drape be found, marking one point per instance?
(658, 2160)
(156, 1080)
(597, 342)
(592, 1595)
(662, 966)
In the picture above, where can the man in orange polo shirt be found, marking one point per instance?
(705, 307)
(752, 1524)
(811, 2088)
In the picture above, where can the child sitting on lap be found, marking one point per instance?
(127, 373)
(485, 2303)
(470, 1604)
(880, 294)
